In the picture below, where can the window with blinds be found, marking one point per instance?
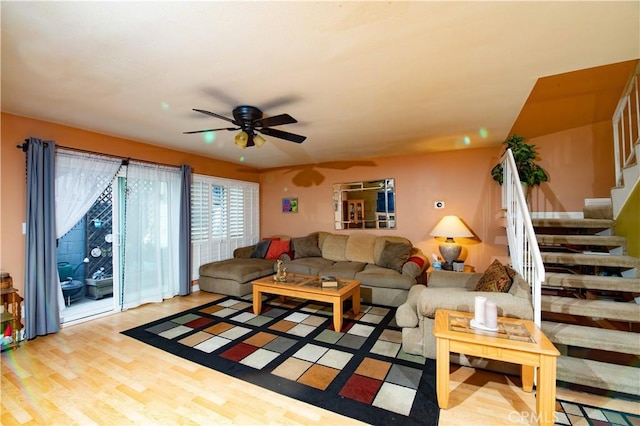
(225, 215)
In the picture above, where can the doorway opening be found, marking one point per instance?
(85, 260)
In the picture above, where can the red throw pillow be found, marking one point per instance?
(276, 248)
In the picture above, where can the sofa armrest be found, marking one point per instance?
(460, 300)
(243, 252)
(450, 279)
(416, 264)
(407, 314)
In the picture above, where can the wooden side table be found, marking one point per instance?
(467, 269)
(517, 341)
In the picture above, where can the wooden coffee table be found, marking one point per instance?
(309, 288)
(517, 341)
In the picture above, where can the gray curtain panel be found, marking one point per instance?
(42, 315)
(184, 244)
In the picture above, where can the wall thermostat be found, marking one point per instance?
(439, 204)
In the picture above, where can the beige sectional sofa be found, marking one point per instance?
(386, 266)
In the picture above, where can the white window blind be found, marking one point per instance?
(225, 215)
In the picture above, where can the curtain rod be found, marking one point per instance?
(24, 148)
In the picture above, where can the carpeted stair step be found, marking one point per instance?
(594, 282)
(599, 259)
(598, 208)
(589, 337)
(621, 311)
(582, 240)
(618, 378)
(572, 223)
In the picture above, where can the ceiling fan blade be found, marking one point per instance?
(213, 114)
(210, 130)
(282, 135)
(276, 120)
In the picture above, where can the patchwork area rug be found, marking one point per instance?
(291, 348)
(574, 414)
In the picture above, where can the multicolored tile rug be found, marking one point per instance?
(292, 348)
(574, 414)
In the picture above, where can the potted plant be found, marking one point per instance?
(524, 154)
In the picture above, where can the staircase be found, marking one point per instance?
(588, 306)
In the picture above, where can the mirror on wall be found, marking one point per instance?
(365, 205)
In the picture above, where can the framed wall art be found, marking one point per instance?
(289, 205)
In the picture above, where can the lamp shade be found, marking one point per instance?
(451, 227)
(241, 139)
(258, 141)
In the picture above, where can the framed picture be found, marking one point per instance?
(289, 205)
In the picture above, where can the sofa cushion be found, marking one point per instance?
(276, 248)
(394, 255)
(520, 288)
(360, 248)
(287, 255)
(260, 250)
(306, 246)
(307, 265)
(240, 270)
(376, 276)
(495, 279)
(382, 241)
(451, 279)
(343, 269)
(335, 247)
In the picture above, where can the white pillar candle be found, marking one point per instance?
(491, 314)
(479, 309)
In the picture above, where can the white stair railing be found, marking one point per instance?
(626, 127)
(523, 245)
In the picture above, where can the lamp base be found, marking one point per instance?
(449, 253)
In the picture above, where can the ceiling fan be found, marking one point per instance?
(249, 120)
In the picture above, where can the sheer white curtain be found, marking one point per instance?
(151, 234)
(79, 180)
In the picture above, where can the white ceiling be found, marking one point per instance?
(363, 79)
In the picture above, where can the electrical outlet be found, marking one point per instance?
(439, 204)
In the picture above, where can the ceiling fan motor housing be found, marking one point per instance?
(247, 115)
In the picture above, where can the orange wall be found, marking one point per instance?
(461, 179)
(579, 162)
(13, 178)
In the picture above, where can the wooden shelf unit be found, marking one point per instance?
(11, 311)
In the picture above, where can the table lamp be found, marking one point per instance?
(450, 227)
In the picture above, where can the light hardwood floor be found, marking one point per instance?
(89, 373)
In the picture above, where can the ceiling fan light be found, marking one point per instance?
(241, 139)
(259, 141)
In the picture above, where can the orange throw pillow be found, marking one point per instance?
(276, 248)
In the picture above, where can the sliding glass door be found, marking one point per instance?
(150, 204)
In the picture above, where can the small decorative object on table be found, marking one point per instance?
(329, 281)
(281, 273)
(436, 263)
(485, 316)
